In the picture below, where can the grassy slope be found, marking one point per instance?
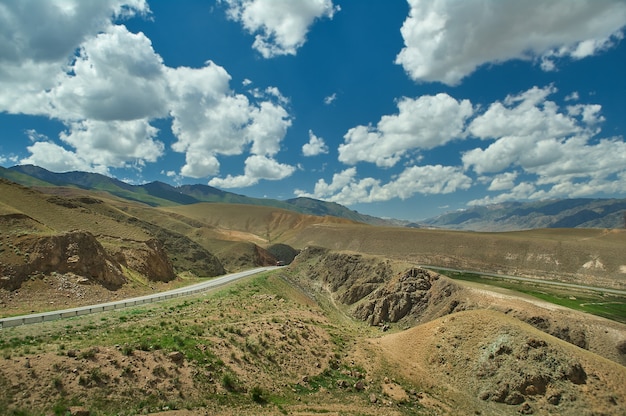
(59, 216)
(565, 254)
(262, 346)
(597, 303)
(246, 349)
(266, 223)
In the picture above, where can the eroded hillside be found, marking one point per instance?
(86, 241)
(304, 340)
(483, 347)
(380, 291)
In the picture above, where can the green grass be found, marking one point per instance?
(602, 304)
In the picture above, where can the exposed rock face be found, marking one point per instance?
(378, 290)
(75, 252)
(350, 276)
(150, 259)
(185, 254)
(409, 294)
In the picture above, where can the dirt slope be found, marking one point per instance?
(585, 256)
(378, 291)
(484, 359)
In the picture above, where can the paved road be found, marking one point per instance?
(155, 297)
(528, 279)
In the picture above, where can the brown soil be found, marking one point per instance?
(495, 364)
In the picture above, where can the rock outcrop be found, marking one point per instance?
(409, 294)
(378, 289)
(76, 252)
(148, 258)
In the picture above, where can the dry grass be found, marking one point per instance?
(61, 214)
(259, 346)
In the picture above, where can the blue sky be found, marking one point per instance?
(403, 109)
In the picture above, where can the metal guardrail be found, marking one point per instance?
(126, 303)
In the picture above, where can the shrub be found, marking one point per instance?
(229, 382)
(257, 395)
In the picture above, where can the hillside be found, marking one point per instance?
(584, 256)
(289, 342)
(510, 216)
(158, 194)
(85, 239)
(353, 325)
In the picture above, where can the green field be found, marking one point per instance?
(598, 303)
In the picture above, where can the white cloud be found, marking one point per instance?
(559, 149)
(69, 61)
(330, 99)
(503, 181)
(117, 76)
(589, 113)
(346, 189)
(529, 131)
(520, 191)
(275, 92)
(315, 146)
(446, 40)
(97, 146)
(280, 26)
(38, 40)
(267, 128)
(422, 123)
(133, 142)
(257, 168)
(57, 159)
(210, 120)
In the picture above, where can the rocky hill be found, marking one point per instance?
(492, 364)
(89, 239)
(380, 291)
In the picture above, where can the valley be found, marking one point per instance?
(351, 325)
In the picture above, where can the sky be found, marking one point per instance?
(398, 109)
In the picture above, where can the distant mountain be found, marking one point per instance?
(562, 213)
(321, 208)
(162, 194)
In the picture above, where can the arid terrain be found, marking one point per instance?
(354, 324)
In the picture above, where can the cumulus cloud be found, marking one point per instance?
(116, 76)
(280, 26)
(108, 85)
(58, 159)
(315, 146)
(257, 167)
(38, 40)
(503, 181)
(421, 123)
(94, 150)
(446, 40)
(558, 147)
(346, 189)
(521, 191)
(210, 120)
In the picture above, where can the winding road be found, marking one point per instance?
(120, 304)
(222, 280)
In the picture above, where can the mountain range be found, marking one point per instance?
(509, 216)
